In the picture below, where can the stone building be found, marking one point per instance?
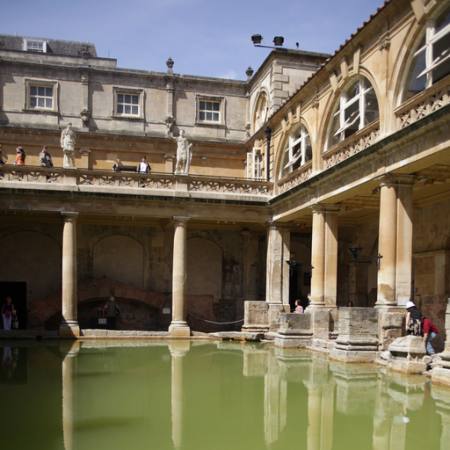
(320, 174)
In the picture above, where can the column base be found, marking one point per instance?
(69, 329)
(179, 329)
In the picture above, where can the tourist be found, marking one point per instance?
(429, 333)
(350, 304)
(118, 165)
(298, 307)
(45, 158)
(111, 311)
(143, 167)
(413, 319)
(8, 313)
(20, 156)
(3, 158)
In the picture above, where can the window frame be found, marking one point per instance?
(365, 87)
(221, 111)
(299, 136)
(117, 90)
(29, 83)
(27, 41)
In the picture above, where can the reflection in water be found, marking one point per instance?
(190, 396)
(13, 369)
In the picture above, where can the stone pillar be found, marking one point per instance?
(179, 326)
(68, 393)
(331, 257)
(177, 351)
(317, 258)
(387, 244)
(69, 324)
(277, 273)
(404, 249)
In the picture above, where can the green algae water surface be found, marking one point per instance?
(205, 396)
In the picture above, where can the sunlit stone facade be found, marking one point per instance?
(321, 175)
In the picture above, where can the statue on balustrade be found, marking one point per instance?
(68, 139)
(184, 155)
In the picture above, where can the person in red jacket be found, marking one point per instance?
(429, 333)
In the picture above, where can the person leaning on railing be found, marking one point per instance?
(143, 167)
(20, 156)
(3, 158)
(45, 158)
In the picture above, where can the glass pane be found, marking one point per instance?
(216, 117)
(308, 149)
(352, 91)
(40, 102)
(442, 21)
(351, 114)
(135, 99)
(119, 98)
(371, 107)
(202, 105)
(49, 92)
(441, 49)
(334, 139)
(127, 98)
(134, 110)
(208, 116)
(33, 90)
(33, 102)
(41, 90)
(415, 84)
(201, 115)
(48, 103)
(120, 109)
(216, 106)
(127, 109)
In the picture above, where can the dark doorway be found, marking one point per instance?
(17, 290)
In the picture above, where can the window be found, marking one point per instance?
(297, 152)
(432, 58)
(209, 111)
(35, 45)
(254, 164)
(356, 108)
(40, 97)
(261, 110)
(127, 104)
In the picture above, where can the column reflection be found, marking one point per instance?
(178, 350)
(70, 351)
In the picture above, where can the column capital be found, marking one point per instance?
(180, 220)
(70, 216)
(392, 180)
(326, 208)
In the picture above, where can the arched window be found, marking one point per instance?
(261, 110)
(356, 108)
(432, 58)
(297, 152)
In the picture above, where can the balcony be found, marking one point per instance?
(152, 185)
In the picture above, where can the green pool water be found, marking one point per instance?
(209, 396)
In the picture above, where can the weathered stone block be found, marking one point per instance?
(275, 311)
(390, 326)
(294, 331)
(407, 355)
(357, 339)
(256, 316)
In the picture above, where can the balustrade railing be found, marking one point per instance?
(89, 180)
(423, 104)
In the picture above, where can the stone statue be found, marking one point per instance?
(184, 155)
(68, 138)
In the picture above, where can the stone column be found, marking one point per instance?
(331, 257)
(317, 257)
(387, 244)
(277, 272)
(177, 351)
(179, 326)
(404, 249)
(69, 324)
(68, 393)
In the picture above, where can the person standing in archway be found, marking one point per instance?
(8, 313)
(111, 311)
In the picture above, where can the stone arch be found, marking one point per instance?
(260, 107)
(279, 151)
(204, 268)
(324, 127)
(120, 258)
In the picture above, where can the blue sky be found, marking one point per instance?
(204, 37)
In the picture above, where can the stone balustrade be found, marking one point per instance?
(352, 145)
(294, 179)
(159, 184)
(423, 104)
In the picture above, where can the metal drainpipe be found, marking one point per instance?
(268, 133)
